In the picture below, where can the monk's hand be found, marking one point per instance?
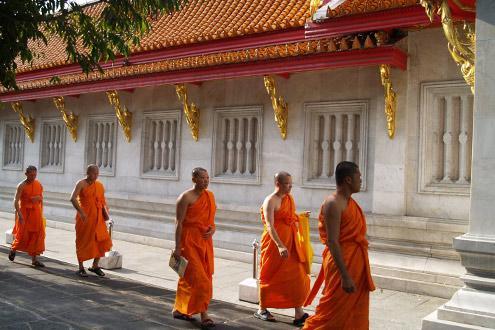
(307, 213)
(209, 233)
(348, 284)
(284, 253)
(176, 254)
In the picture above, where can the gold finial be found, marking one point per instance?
(123, 115)
(27, 122)
(70, 119)
(461, 38)
(280, 107)
(191, 111)
(390, 99)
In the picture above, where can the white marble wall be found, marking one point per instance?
(392, 165)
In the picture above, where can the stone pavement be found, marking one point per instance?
(147, 265)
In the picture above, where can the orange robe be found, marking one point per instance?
(195, 289)
(284, 283)
(338, 309)
(30, 235)
(92, 238)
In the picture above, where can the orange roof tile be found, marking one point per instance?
(198, 21)
(352, 7)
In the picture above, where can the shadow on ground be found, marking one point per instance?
(56, 298)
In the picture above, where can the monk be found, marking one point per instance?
(284, 282)
(29, 229)
(345, 269)
(195, 227)
(92, 238)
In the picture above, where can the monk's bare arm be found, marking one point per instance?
(269, 212)
(75, 202)
(180, 215)
(332, 213)
(17, 198)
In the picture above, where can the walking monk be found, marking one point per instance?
(29, 229)
(284, 282)
(345, 268)
(195, 227)
(92, 238)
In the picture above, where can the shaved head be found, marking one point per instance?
(281, 176)
(31, 168)
(91, 168)
(196, 172)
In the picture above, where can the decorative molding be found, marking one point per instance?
(445, 138)
(27, 122)
(123, 115)
(160, 145)
(191, 111)
(275, 65)
(101, 143)
(461, 38)
(237, 140)
(390, 99)
(280, 107)
(70, 119)
(52, 145)
(13, 146)
(334, 131)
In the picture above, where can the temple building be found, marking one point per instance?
(245, 88)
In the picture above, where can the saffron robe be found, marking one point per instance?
(195, 289)
(92, 238)
(30, 235)
(336, 308)
(284, 283)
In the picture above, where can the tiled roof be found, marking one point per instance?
(199, 21)
(352, 7)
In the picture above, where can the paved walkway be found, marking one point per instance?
(145, 264)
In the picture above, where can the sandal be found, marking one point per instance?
(38, 264)
(300, 321)
(11, 255)
(207, 323)
(178, 315)
(97, 271)
(82, 273)
(264, 316)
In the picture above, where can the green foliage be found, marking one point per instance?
(89, 39)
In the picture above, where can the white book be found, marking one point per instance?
(178, 265)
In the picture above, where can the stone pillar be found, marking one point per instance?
(473, 306)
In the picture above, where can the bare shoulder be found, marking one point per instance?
(334, 204)
(186, 197)
(21, 185)
(271, 200)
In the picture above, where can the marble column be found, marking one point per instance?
(473, 306)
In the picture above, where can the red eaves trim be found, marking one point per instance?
(394, 18)
(353, 58)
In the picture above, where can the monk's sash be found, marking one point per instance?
(200, 216)
(286, 216)
(32, 211)
(353, 232)
(94, 196)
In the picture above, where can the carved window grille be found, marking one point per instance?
(446, 137)
(161, 145)
(237, 145)
(334, 132)
(13, 146)
(101, 144)
(52, 146)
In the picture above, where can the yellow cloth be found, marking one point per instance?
(305, 239)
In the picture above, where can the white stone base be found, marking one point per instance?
(111, 260)
(249, 290)
(468, 309)
(9, 237)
